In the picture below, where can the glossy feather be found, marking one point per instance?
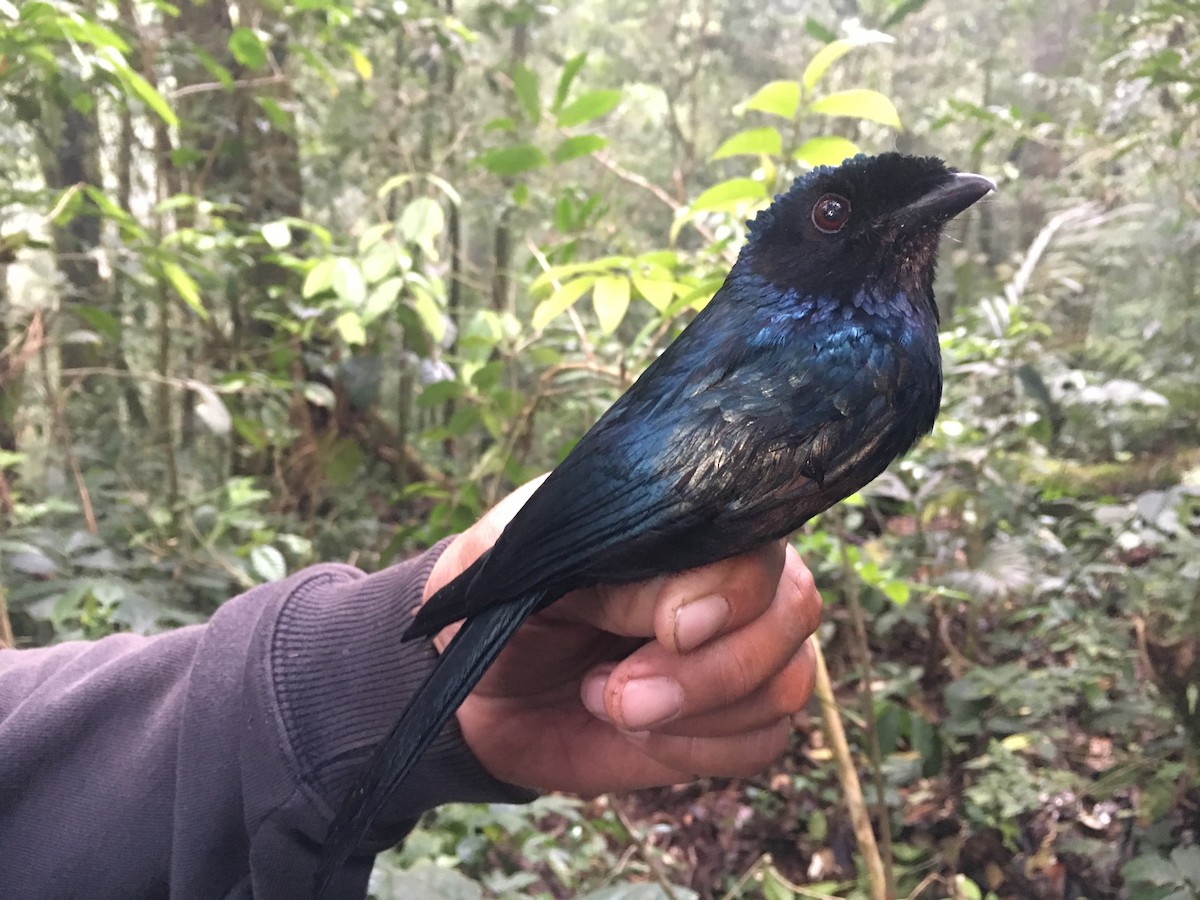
(812, 368)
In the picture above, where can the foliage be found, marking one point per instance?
(326, 281)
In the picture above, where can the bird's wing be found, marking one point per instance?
(688, 469)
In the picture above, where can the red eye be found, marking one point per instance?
(831, 213)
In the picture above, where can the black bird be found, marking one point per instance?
(813, 367)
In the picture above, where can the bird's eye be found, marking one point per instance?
(831, 213)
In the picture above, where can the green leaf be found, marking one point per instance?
(142, 89)
(513, 160)
(350, 327)
(901, 11)
(319, 279)
(348, 281)
(825, 151)
(835, 50)
(101, 321)
(570, 70)
(362, 65)
(752, 142)
(382, 299)
(610, 298)
(421, 222)
(580, 145)
(186, 287)
(860, 103)
(268, 563)
(728, 194)
(277, 234)
(379, 263)
(657, 293)
(777, 98)
(248, 48)
(560, 301)
(527, 89)
(221, 74)
(586, 107)
(430, 313)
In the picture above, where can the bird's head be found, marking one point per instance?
(872, 223)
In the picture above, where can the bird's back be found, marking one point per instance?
(767, 410)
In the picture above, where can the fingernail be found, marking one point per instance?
(699, 621)
(649, 701)
(593, 696)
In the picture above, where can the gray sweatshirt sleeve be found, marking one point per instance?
(207, 762)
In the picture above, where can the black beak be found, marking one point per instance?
(945, 201)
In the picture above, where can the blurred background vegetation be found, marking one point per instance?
(295, 280)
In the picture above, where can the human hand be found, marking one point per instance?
(620, 687)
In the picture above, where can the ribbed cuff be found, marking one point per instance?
(342, 676)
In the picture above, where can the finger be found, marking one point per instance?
(784, 695)
(687, 608)
(697, 605)
(738, 756)
(654, 685)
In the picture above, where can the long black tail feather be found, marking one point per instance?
(456, 673)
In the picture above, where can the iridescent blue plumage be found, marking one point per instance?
(812, 368)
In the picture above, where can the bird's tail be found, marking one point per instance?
(459, 669)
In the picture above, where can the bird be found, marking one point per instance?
(814, 366)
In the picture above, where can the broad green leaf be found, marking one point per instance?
(248, 48)
(528, 91)
(503, 123)
(586, 107)
(101, 320)
(350, 327)
(348, 281)
(148, 95)
(362, 65)
(604, 264)
(610, 298)
(860, 103)
(752, 142)
(430, 313)
(580, 145)
(835, 50)
(319, 279)
(560, 301)
(729, 193)
(513, 160)
(825, 151)
(268, 563)
(382, 299)
(570, 70)
(657, 293)
(185, 287)
(421, 222)
(778, 98)
(379, 263)
(277, 234)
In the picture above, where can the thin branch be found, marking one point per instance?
(848, 775)
(210, 86)
(59, 419)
